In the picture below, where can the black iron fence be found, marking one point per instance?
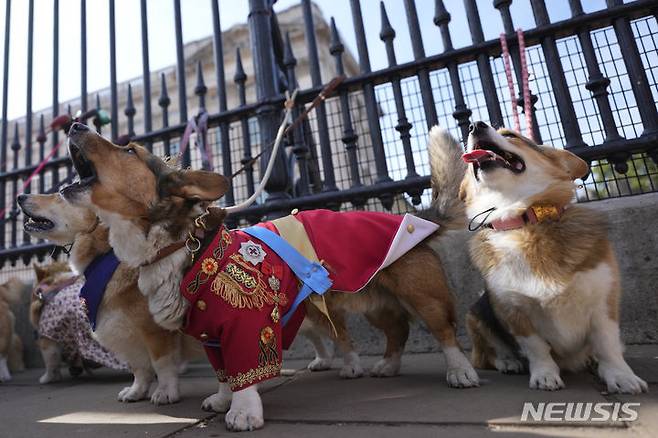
(594, 90)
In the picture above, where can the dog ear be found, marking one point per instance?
(39, 272)
(196, 185)
(571, 163)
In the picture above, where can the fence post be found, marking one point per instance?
(260, 34)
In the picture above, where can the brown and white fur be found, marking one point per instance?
(124, 324)
(148, 205)
(11, 347)
(553, 285)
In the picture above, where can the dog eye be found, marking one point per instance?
(508, 135)
(130, 151)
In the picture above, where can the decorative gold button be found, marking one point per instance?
(411, 228)
(294, 211)
(203, 336)
(201, 305)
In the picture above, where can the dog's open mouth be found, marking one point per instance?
(35, 223)
(83, 167)
(486, 156)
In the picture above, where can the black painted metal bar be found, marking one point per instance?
(636, 71)
(13, 213)
(41, 139)
(225, 145)
(146, 70)
(564, 103)
(461, 113)
(55, 106)
(97, 120)
(504, 7)
(484, 66)
(419, 53)
(3, 133)
(387, 35)
(349, 138)
(596, 83)
(130, 112)
(114, 95)
(321, 111)
(268, 116)
(83, 56)
(299, 147)
(371, 102)
(164, 102)
(28, 101)
(240, 78)
(200, 88)
(180, 74)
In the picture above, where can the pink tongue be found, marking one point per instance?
(476, 156)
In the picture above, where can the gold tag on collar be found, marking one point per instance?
(546, 212)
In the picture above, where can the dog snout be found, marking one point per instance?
(477, 128)
(21, 199)
(77, 128)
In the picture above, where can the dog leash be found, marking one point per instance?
(326, 92)
(199, 125)
(525, 83)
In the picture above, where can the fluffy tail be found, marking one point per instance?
(448, 171)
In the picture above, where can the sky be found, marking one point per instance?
(196, 23)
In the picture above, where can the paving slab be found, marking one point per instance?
(416, 404)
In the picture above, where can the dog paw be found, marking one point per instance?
(625, 382)
(6, 377)
(463, 377)
(50, 377)
(545, 379)
(386, 367)
(351, 371)
(132, 394)
(165, 396)
(218, 402)
(509, 366)
(319, 364)
(240, 420)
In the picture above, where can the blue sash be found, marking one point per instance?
(313, 275)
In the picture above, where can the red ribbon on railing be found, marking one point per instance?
(525, 84)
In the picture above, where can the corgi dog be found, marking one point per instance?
(57, 316)
(552, 283)
(11, 346)
(123, 323)
(150, 206)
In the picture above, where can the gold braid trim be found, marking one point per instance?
(241, 285)
(254, 375)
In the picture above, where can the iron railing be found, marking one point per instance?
(364, 147)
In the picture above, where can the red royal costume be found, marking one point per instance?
(239, 288)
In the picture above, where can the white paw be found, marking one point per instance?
(351, 371)
(509, 366)
(625, 382)
(132, 394)
(50, 377)
(386, 367)
(218, 402)
(546, 379)
(6, 377)
(165, 395)
(246, 411)
(462, 377)
(319, 364)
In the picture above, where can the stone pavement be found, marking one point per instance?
(415, 404)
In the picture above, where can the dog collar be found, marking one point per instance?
(46, 293)
(533, 215)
